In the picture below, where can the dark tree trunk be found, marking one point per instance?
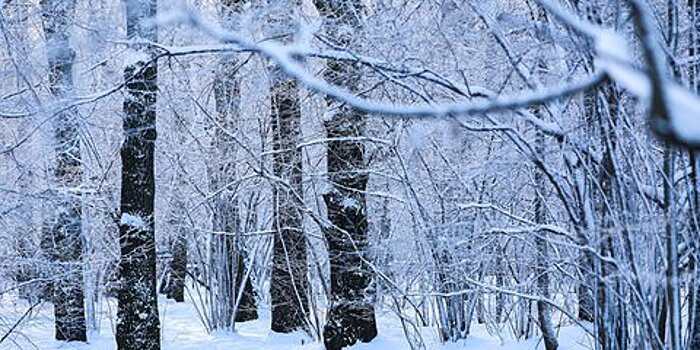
(586, 301)
(500, 282)
(63, 241)
(289, 285)
(351, 315)
(178, 266)
(138, 326)
(247, 306)
(544, 314)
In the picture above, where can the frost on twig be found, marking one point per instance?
(675, 110)
(286, 57)
(611, 55)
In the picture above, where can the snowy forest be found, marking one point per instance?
(350, 174)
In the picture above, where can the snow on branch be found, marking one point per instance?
(286, 56)
(612, 59)
(675, 111)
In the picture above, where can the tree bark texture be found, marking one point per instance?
(544, 313)
(351, 316)
(289, 284)
(138, 326)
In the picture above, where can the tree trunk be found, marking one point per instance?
(610, 321)
(228, 268)
(138, 326)
(672, 274)
(175, 273)
(227, 265)
(586, 301)
(544, 314)
(63, 235)
(351, 316)
(501, 272)
(673, 294)
(289, 284)
(178, 265)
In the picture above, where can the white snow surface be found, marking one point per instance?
(181, 330)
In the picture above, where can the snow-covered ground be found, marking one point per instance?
(182, 330)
